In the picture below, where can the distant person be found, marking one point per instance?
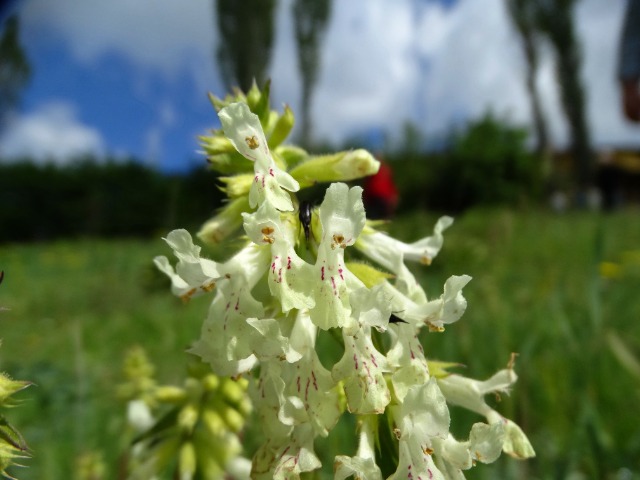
(629, 66)
(380, 193)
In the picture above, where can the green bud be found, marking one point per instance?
(369, 275)
(262, 108)
(216, 144)
(342, 166)
(253, 97)
(211, 383)
(213, 422)
(187, 461)
(233, 419)
(230, 163)
(170, 394)
(227, 221)
(8, 456)
(8, 387)
(290, 155)
(233, 390)
(187, 418)
(217, 103)
(238, 185)
(282, 128)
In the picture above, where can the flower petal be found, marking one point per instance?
(361, 369)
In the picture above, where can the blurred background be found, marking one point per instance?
(505, 113)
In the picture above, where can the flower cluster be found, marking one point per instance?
(193, 428)
(294, 279)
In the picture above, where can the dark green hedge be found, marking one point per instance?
(87, 198)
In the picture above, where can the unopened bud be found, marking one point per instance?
(233, 390)
(233, 419)
(210, 383)
(282, 128)
(367, 274)
(187, 418)
(8, 387)
(216, 144)
(237, 185)
(214, 422)
(170, 394)
(342, 166)
(187, 461)
(226, 222)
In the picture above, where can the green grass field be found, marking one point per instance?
(539, 288)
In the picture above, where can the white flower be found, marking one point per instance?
(342, 218)
(484, 445)
(469, 393)
(391, 253)
(363, 466)
(361, 369)
(286, 460)
(290, 277)
(193, 275)
(226, 337)
(244, 130)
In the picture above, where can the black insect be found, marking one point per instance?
(394, 319)
(304, 214)
(1, 275)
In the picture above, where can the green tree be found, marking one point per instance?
(15, 70)
(311, 18)
(246, 40)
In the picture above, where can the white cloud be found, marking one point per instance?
(51, 133)
(367, 75)
(599, 25)
(166, 35)
(383, 62)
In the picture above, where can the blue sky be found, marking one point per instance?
(125, 78)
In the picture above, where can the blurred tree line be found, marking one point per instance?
(88, 198)
(487, 163)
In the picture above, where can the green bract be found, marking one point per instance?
(281, 290)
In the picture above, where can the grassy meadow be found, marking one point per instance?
(563, 291)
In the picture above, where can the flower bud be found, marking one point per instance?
(237, 185)
(233, 391)
(233, 419)
(187, 418)
(8, 387)
(187, 461)
(282, 128)
(229, 163)
(342, 166)
(367, 274)
(211, 383)
(227, 221)
(170, 394)
(216, 144)
(213, 422)
(289, 155)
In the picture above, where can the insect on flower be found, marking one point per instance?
(395, 319)
(304, 215)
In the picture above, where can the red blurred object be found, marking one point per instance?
(380, 193)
